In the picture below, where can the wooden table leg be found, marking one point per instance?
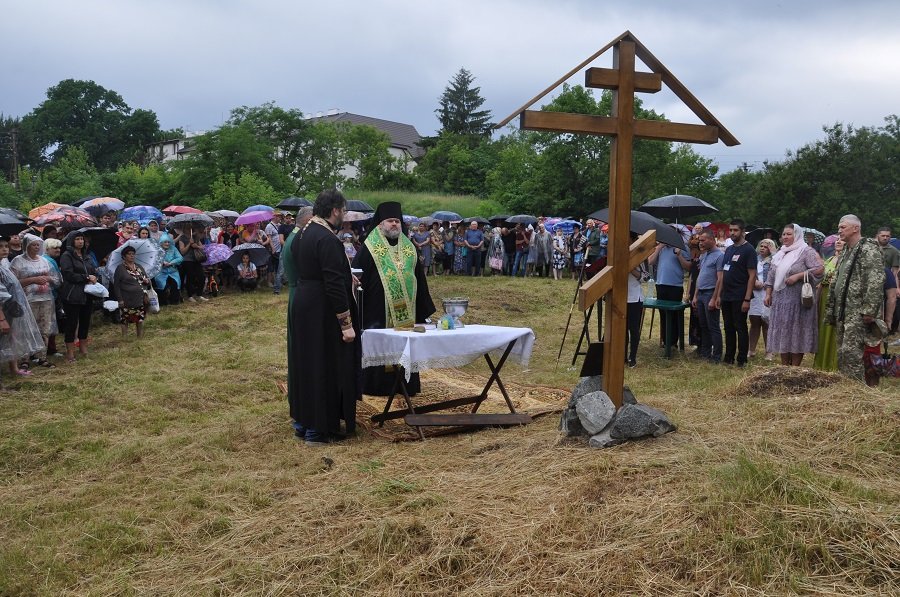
(495, 376)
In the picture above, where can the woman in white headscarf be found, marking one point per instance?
(793, 328)
(24, 337)
(38, 280)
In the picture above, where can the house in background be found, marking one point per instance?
(172, 149)
(405, 139)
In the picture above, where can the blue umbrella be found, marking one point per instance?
(446, 216)
(568, 226)
(257, 208)
(142, 213)
(408, 219)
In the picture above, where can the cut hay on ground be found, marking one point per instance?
(780, 380)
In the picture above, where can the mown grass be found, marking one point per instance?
(424, 204)
(167, 466)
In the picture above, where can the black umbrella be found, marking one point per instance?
(642, 222)
(259, 255)
(203, 219)
(676, 207)
(78, 202)
(295, 203)
(15, 213)
(102, 240)
(523, 219)
(498, 218)
(10, 225)
(481, 221)
(357, 205)
(757, 234)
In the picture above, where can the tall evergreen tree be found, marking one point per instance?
(459, 112)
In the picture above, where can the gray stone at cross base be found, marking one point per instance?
(604, 440)
(639, 420)
(586, 385)
(595, 411)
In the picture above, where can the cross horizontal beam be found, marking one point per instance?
(608, 78)
(660, 130)
(595, 288)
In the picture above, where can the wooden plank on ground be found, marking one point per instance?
(468, 419)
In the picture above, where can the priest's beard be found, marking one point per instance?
(391, 234)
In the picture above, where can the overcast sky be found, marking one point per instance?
(772, 72)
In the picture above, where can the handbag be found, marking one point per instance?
(199, 255)
(806, 293)
(152, 300)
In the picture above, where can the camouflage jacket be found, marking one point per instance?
(864, 285)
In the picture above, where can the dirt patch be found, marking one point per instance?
(780, 381)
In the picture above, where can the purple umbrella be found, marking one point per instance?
(254, 217)
(216, 253)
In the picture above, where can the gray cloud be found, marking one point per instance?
(773, 72)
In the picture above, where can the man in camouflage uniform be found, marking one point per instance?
(856, 295)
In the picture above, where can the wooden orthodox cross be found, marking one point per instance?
(623, 127)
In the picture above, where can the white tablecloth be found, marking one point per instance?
(436, 349)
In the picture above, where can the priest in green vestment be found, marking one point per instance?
(395, 289)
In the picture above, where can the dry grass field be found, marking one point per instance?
(168, 467)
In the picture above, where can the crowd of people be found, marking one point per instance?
(53, 281)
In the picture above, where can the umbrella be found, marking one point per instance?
(818, 237)
(174, 210)
(408, 219)
(259, 255)
(676, 207)
(757, 234)
(427, 220)
(568, 226)
(498, 218)
(356, 216)
(254, 217)
(78, 202)
(147, 254)
(357, 205)
(446, 216)
(67, 217)
(641, 222)
(10, 225)
(258, 208)
(43, 209)
(192, 218)
(8, 211)
(228, 214)
(294, 203)
(102, 241)
(142, 214)
(216, 253)
(100, 205)
(523, 219)
(481, 221)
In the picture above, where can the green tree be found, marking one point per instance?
(237, 192)
(459, 112)
(71, 178)
(86, 115)
(155, 184)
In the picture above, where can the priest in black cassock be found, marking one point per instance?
(394, 286)
(324, 357)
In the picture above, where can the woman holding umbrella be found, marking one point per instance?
(77, 271)
(192, 265)
(130, 283)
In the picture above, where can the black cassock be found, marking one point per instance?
(375, 380)
(325, 372)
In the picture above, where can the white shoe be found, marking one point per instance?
(192, 299)
(204, 299)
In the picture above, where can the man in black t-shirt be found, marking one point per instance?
(734, 290)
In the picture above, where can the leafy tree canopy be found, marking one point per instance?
(86, 115)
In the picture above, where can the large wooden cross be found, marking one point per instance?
(623, 127)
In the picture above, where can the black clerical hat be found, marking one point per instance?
(386, 210)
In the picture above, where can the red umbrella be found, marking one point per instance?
(173, 210)
(67, 217)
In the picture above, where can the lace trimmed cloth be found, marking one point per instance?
(441, 349)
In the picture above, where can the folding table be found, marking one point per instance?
(410, 352)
